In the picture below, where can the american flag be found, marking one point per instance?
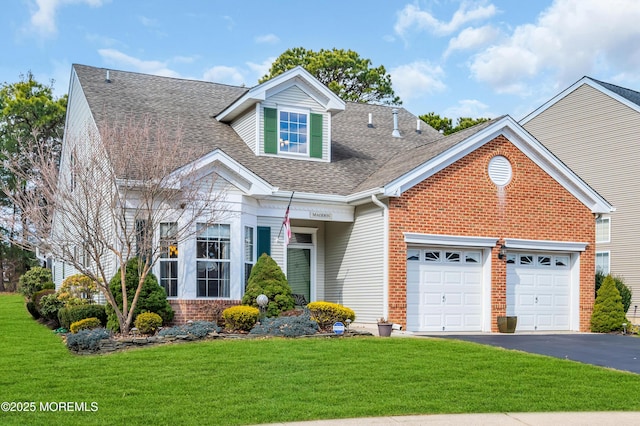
(287, 228)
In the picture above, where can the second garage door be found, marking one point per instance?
(538, 290)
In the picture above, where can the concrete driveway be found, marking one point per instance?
(604, 350)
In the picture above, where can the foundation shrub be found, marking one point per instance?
(86, 340)
(608, 311)
(34, 280)
(267, 278)
(197, 329)
(148, 322)
(625, 292)
(49, 306)
(286, 326)
(85, 324)
(33, 309)
(327, 313)
(67, 316)
(77, 289)
(240, 318)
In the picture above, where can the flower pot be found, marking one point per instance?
(507, 324)
(384, 330)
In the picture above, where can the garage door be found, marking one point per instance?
(444, 290)
(538, 291)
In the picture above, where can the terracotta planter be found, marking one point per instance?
(384, 330)
(507, 324)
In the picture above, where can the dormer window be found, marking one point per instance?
(290, 131)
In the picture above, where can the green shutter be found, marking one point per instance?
(315, 149)
(264, 240)
(270, 131)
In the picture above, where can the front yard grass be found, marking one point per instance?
(277, 380)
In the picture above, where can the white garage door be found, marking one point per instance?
(538, 291)
(444, 290)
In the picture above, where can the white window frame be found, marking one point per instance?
(607, 255)
(168, 259)
(603, 230)
(224, 260)
(249, 251)
(296, 110)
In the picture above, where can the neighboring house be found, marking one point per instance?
(388, 216)
(593, 127)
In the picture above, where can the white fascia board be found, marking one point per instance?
(305, 206)
(544, 245)
(584, 80)
(296, 75)
(449, 240)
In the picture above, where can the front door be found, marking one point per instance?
(301, 263)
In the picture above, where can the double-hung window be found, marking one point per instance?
(603, 230)
(249, 258)
(294, 132)
(213, 254)
(602, 262)
(169, 258)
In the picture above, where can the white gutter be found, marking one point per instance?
(385, 263)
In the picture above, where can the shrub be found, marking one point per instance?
(327, 313)
(85, 324)
(267, 278)
(33, 309)
(625, 292)
(608, 311)
(148, 322)
(40, 294)
(34, 280)
(69, 315)
(86, 339)
(49, 307)
(240, 318)
(77, 289)
(197, 329)
(152, 297)
(289, 326)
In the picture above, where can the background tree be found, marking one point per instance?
(444, 125)
(344, 72)
(118, 182)
(28, 112)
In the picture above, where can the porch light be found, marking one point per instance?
(503, 252)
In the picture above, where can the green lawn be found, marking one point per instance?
(276, 380)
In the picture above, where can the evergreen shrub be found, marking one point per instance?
(34, 280)
(327, 313)
(85, 324)
(608, 312)
(77, 289)
(67, 316)
(49, 306)
(33, 309)
(86, 339)
(148, 322)
(240, 318)
(625, 292)
(267, 278)
(152, 297)
(289, 326)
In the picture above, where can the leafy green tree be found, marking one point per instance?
(625, 292)
(608, 311)
(267, 278)
(28, 113)
(444, 124)
(35, 280)
(344, 72)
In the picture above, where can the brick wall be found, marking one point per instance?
(462, 200)
(199, 309)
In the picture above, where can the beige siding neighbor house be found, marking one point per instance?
(594, 128)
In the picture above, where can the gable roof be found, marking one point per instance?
(628, 97)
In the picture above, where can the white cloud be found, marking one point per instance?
(261, 69)
(148, 22)
(417, 79)
(267, 38)
(116, 58)
(472, 38)
(570, 39)
(469, 108)
(43, 15)
(413, 18)
(230, 22)
(224, 74)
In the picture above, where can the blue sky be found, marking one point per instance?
(479, 58)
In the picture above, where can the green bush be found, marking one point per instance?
(288, 326)
(33, 309)
(86, 339)
(148, 322)
(77, 289)
(625, 292)
(40, 294)
(85, 324)
(326, 313)
(71, 314)
(608, 311)
(152, 297)
(267, 278)
(49, 307)
(34, 280)
(240, 318)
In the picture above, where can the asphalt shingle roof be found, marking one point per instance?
(362, 157)
(630, 95)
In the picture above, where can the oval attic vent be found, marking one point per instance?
(500, 170)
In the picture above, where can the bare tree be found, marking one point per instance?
(115, 186)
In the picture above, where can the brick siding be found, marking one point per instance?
(461, 200)
(198, 309)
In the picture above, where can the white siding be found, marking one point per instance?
(597, 137)
(277, 247)
(245, 127)
(355, 263)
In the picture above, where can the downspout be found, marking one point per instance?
(385, 263)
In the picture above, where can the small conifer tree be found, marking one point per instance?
(608, 311)
(267, 278)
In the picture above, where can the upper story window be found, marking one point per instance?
(293, 132)
(603, 230)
